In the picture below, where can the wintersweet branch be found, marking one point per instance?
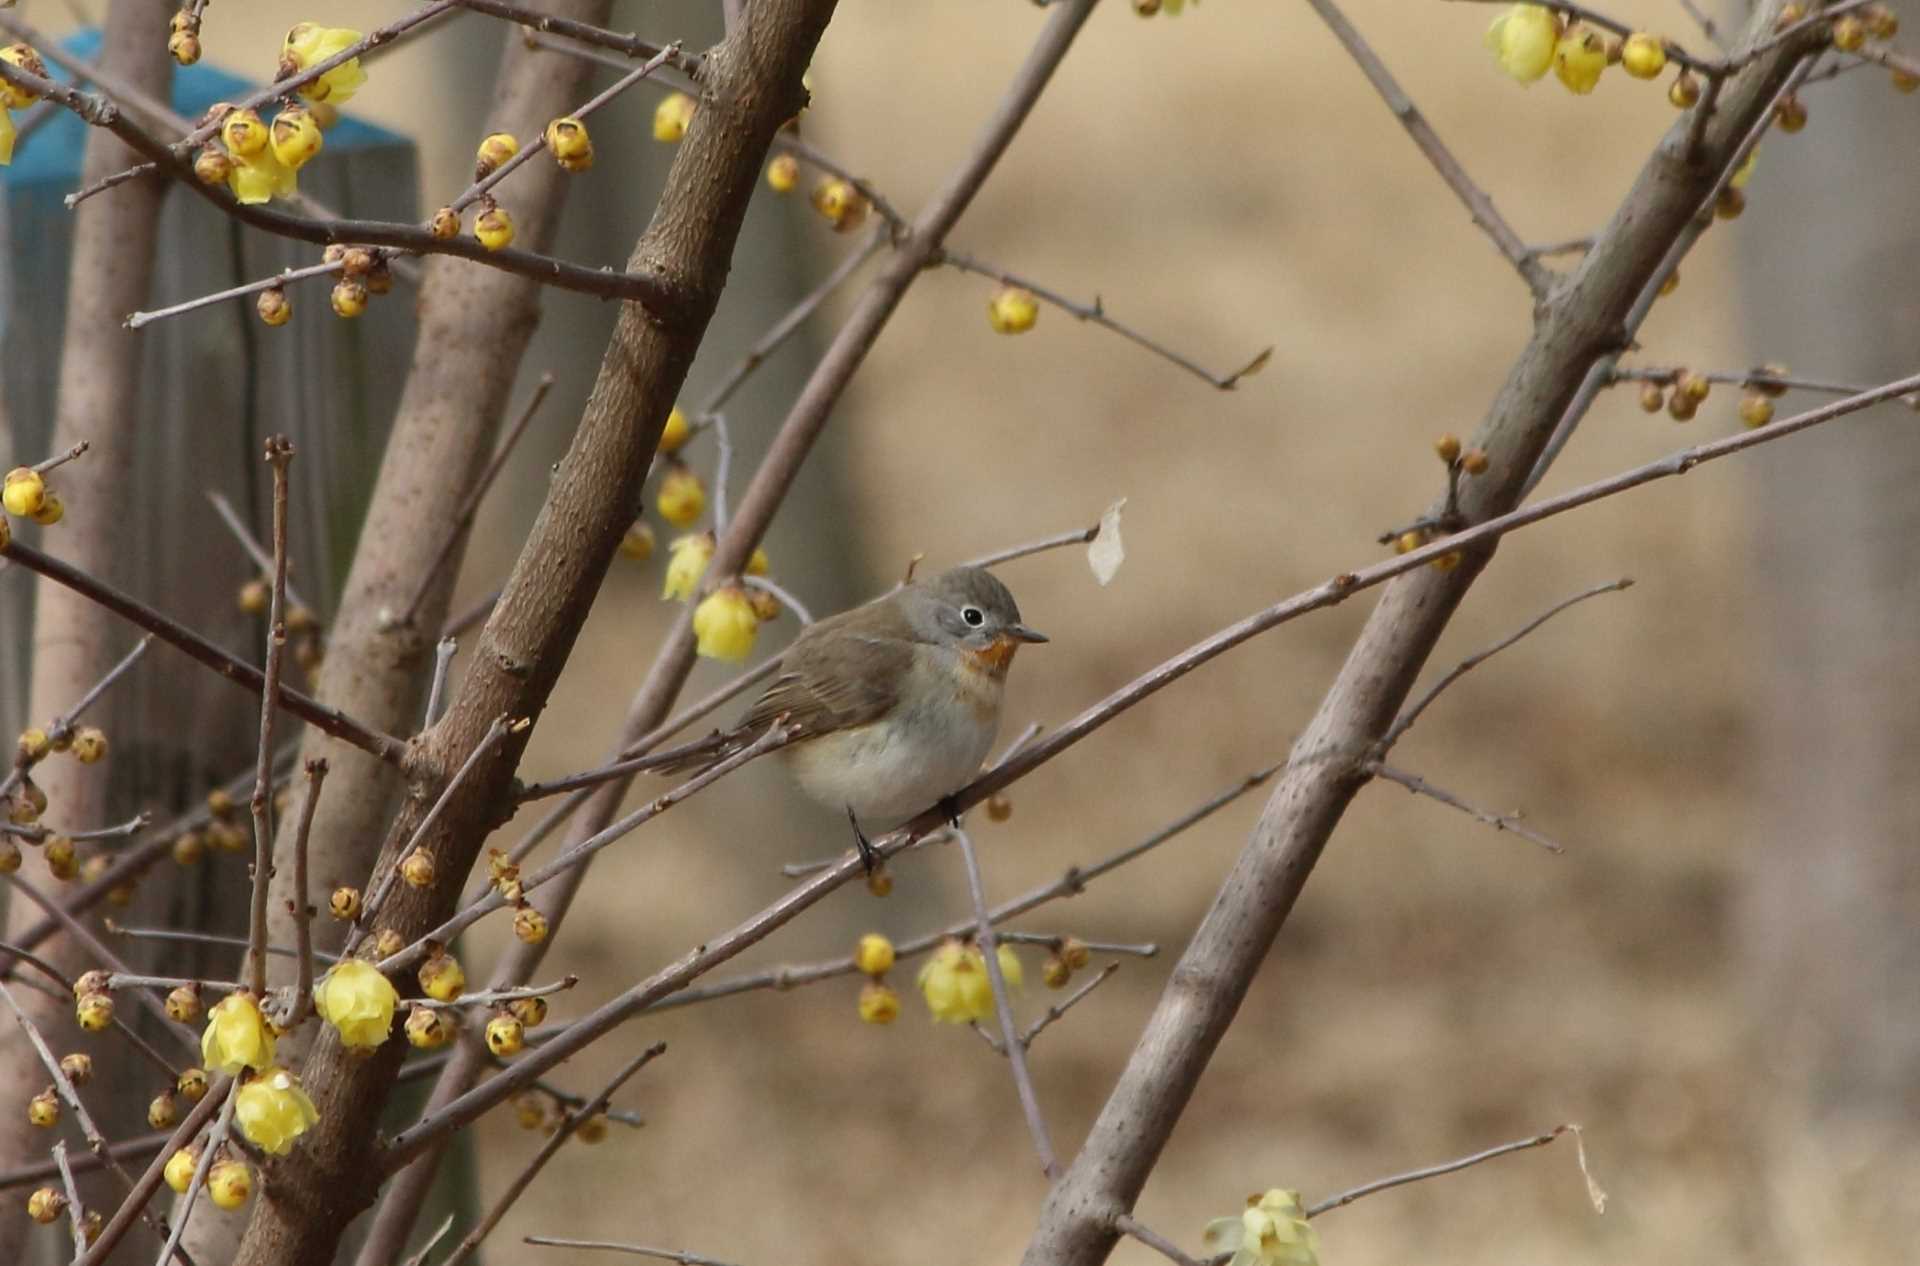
(687, 64)
(279, 454)
(1498, 821)
(1479, 205)
(327, 720)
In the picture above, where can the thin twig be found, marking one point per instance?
(207, 938)
(261, 556)
(1074, 536)
(1066, 1004)
(501, 727)
(722, 467)
(495, 997)
(785, 327)
(1145, 949)
(84, 936)
(302, 905)
(638, 1250)
(1127, 1224)
(1479, 205)
(1071, 883)
(630, 45)
(463, 519)
(279, 456)
(1344, 1198)
(1498, 821)
(60, 459)
(1095, 313)
(568, 1125)
(328, 720)
(76, 1214)
(1408, 716)
(1015, 1050)
(1666, 376)
(277, 281)
(443, 653)
(215, 1137)
(785, 597)
(1707, 25)
(491, 900)
(215, 1100)
(62, 726)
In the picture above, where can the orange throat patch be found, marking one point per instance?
(995, 657)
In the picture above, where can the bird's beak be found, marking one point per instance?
(1021, 632)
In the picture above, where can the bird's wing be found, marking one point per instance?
(833, 684)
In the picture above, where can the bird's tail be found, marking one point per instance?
(697, 755)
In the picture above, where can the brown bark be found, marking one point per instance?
(99, 394)
(1580, 322)
(752, 86)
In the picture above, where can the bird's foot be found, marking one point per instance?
(868, 857)
(950, 810)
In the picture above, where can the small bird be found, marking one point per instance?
(892, 706)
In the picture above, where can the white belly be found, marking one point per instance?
(893, 769)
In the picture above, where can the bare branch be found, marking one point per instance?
(638, 1250)
(262, 557)
(279, 456)
(1352, 1194)
(1498, 821)
(302, 906)
(1406, 719)
(1066, 1004)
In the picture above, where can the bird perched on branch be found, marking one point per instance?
(891, 707)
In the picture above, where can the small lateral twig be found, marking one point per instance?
(62, 725)
(76, 1215)
(1066, 1004)
(1014, 1049)
(571, 1122)
(457, 530)
(262, 557)
(688, 64)
(1344, 1198)
(495, 997)
(1479, 205)
(501, 727)
(1127, 1224)
(491, 900)
(1666, 376)
(218, 1096)
(1498, 821)
(638, 1250)
(280, 280)
(1406, 719)
(279, 454)
(1074, 536)
(328, 720)
(1071, 883)
(1095, 313)
(443, 652)
(784, 596)
(60, 459)
(302, 905)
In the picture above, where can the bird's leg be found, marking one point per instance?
(868, 857)
(950, 810)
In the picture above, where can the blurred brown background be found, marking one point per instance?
(1226, 180)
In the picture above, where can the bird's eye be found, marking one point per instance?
(973, 615)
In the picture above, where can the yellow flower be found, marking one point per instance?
(681, 498)
(51, 510)
(295, 137)
(308, 44)
(1272, 1232)
(724, 624)
(357, 999)
(783, 173)
(427, 1030)
(442, 977)
(1579, 58)
(505, 1035)
(956, 985)
(1643, 56)
(637, 544)
(1522, 39)
(687, 564)
(878, 1003)
(874, 954)
(23, 491)
(273, 1111)
(569, 143)
(229, 1183)
(1012, 310)
(671, 117)
(1744, 172)
(6, 138)
(236, 1036)
(495, 149)
(676, 432)
(494, 228)
(243, 133)
(262, 176)
(179, 1170)
(94, 1011)
(841, 203)
(21, 57)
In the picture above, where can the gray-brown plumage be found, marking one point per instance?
(894, 704)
